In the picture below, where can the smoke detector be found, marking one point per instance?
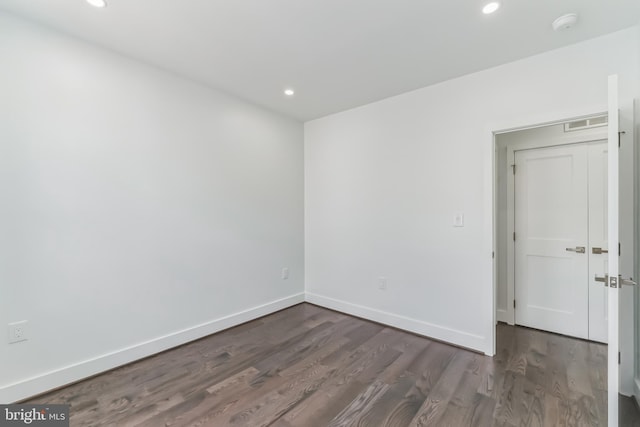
(565, 22)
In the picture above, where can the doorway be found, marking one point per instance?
(558, 134)
(543, 275)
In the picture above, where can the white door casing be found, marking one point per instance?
(612, 238)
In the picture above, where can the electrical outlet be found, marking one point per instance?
(285, 273)
(18, 331)
(382, 283)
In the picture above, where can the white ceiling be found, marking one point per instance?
(337, 54)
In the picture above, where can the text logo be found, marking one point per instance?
(34, 415)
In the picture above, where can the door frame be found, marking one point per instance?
(636, 210)
(600, 135)
(490, 181)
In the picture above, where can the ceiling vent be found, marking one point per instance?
(592, 122)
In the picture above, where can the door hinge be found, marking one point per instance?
(619, 358)
(514, 169)
(514, 303)
(619, 136)
(493, 254)
(514, 236)
(619, 250)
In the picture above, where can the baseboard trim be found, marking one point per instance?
(87, 368)
(453, 336)
(502, 316)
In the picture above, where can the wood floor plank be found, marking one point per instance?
(355, 411)
(537, 413)
(480, 413)
(382, 412)
(311, 367)
(410, 348)
(439, 397)
(220, 408)
(471, 378)
(273, 405)
(347, 379)
(514, 402)
(405, 409)
(462, 405)
(313, 359)
(429, 367)
(321, 336)
(229, 382)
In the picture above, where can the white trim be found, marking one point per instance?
(488, 271)
(511, 244)
(78, 371)
(636, 247)
(442, 333)
(613, 178)
(546, 119)
(502, 316)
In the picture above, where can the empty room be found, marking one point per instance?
(319, 213)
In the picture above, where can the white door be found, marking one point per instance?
(592, 182)
(551, 232)
(598, 241)
(613, 280)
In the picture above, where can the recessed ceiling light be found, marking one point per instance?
(491, 7)
(289, 92)
(97, 3)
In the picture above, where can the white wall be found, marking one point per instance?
(139, 210)
(383, 181)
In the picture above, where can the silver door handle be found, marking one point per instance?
(604, 279)
(599, 251)
(628, 282)
(577, 249)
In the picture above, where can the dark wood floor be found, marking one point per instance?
(307, 366)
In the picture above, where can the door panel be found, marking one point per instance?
(551, 206)
(598, 234)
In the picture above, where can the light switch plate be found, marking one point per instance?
(458, 219)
